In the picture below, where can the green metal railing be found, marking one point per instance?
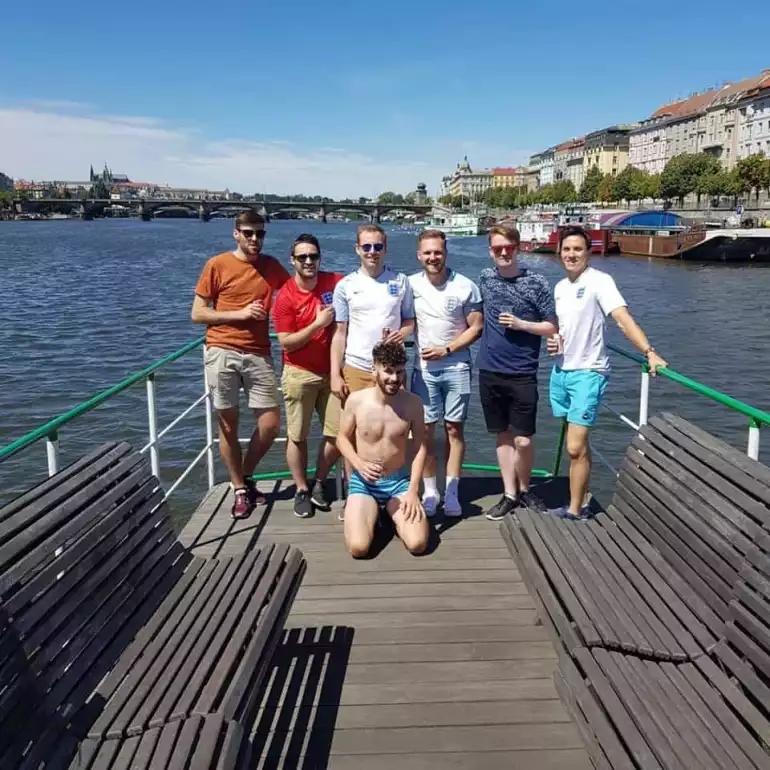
(49, 432)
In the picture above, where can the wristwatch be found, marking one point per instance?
(448, 350)
(649, 350)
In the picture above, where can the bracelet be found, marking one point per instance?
(448, 350)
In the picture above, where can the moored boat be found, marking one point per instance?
(456, 224)
(701, 245)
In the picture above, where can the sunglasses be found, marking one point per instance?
(499, 250)
(249, 234)
(314, 257)
(367, 247)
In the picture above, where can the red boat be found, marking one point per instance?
(540, 232)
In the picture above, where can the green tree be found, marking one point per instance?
(681, 174)
(589, 190)
(652, 186)
(605, 193)
(754, 173)
(564, 191)
(622, 184)
(390, 198)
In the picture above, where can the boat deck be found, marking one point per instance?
(396, 661)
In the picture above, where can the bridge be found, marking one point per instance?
(146, 208)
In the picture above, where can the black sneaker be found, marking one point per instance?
(319, 496)
(255, 496)
(498, 511)
(303, 506)
(533, 502)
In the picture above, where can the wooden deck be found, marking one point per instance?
(398, 662)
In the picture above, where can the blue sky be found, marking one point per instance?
(343, 98)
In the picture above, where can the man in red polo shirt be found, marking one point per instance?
(302, 316)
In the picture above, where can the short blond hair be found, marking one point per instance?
(508, 232)
(368, 228)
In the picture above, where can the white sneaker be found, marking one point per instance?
(452, 507)
(430, 503)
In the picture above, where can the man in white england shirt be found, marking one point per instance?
(581, 373)
(449, 320)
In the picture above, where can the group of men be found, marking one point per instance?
(344, 358)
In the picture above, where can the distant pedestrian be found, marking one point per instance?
(581, 373)
(233, 298)
(372, 304)
(303, 317)
(449, 320)
(518, 311)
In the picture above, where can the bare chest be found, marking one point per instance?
(378, 423)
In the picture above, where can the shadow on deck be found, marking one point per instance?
(397, 661)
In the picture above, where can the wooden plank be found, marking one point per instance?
(658, 510)
(144, 754)
(506, 632)
(185, 746)
(468, 651)
(399, 560)
(724, 542)
(742, 510)
(710, 733)
(49, 520)
(581, 580)
(418, 619)
(553, 759)
(717, 690)
(62, 477)
(443, 577)
(626, 603)
(125, 756)
(656, 730)
(414, 604)
(687, 605)
(549, 609)
(399, 590)
(416, 715)
(572, 595)
(737, 466)
(686, 739)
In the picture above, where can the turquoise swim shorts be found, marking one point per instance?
(577, 394)
(382, 490)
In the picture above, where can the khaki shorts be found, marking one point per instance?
(228, 370)
(303, 393)
(357, 379)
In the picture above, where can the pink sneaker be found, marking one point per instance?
(242, 505)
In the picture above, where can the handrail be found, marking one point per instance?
(52, 426)
(758, 415)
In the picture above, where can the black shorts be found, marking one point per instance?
(509, 402)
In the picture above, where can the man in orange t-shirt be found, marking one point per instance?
(233, 297)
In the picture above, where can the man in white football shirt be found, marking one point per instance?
(579, 378)
(447, 309)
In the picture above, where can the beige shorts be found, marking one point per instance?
(357, 379)
(304, 393)
(229, 370)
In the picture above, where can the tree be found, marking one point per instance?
(564, 191)
(754, 173)
(589, 190)
(605, 193)
(681, 174)
(390, 198)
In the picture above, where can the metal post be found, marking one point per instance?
(209, 427)
(52, 452)
(559, 448)
(152, 422)
(644, 397)
(753, 449)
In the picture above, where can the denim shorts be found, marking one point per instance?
(443, 391)
(577, 394)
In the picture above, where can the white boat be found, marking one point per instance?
(456, 224)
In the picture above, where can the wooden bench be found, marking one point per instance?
(653, 574)
(110, 629)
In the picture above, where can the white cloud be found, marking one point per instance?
(51, 142)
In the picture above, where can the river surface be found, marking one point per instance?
(87, 303)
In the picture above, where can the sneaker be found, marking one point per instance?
(533, 502)
(242, 505)
(430, 503)
(255, 496)
(452, 507)
(563, 513)
(319, 498)
(504, 506)
(303, 505)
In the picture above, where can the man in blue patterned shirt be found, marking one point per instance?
(518, 311)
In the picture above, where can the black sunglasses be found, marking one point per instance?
(367, 247)
(247, 233)
(314, 257)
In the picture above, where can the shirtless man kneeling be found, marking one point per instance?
(373, 439)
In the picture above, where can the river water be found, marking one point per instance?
(87, 303)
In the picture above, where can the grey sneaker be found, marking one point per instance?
(504, 506)
(533, 502)
(319, 496)
(303, 505)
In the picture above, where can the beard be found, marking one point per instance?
(389, 387)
